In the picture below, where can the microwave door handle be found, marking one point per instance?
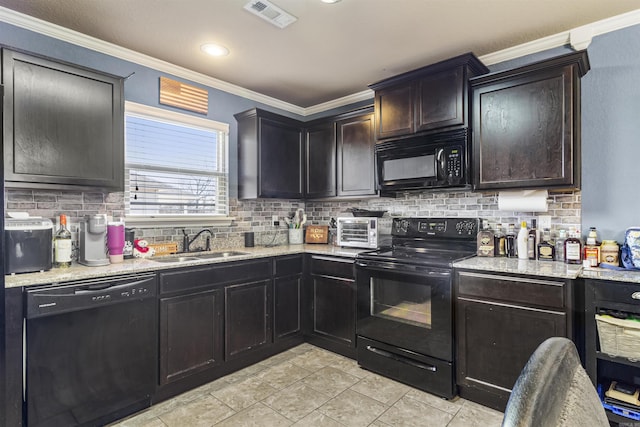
(441, 173)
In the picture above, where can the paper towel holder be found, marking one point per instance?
(523, 200)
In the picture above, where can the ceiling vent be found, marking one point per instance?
(270, 12)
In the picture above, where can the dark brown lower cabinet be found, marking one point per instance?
(247, 317)
(332, 293)
(500, 321)
(191, 331)
(287, 296)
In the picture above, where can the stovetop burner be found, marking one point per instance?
(428, 241)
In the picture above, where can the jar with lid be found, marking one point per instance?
(610, 253)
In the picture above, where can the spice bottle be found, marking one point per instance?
(592, 249)
(610, 253)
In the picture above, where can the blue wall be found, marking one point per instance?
(610, 115)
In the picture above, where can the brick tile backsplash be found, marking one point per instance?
(256, 215)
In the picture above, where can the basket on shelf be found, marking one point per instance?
(619, 337)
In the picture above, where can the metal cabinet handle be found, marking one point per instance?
(635, 295)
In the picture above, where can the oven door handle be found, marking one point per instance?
(401, 359)
(404, 268)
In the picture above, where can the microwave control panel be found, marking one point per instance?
(453, 159)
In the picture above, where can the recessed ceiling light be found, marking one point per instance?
(214, 49)
(329, 1)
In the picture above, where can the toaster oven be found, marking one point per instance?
(363, 232)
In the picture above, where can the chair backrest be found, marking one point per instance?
(553, 389)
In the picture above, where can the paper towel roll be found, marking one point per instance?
(523, 201)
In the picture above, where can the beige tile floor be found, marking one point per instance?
(309, 386)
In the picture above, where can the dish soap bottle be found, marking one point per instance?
(523, 238)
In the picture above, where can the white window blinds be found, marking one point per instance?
(176, 164)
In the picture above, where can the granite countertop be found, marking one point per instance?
(521, 266)
(546, 268)
(141, 265)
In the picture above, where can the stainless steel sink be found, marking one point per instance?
(225, 254)
(175, 259)
(197, 257)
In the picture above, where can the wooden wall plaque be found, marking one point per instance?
(317, 234)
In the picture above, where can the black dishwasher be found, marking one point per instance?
(91, 350)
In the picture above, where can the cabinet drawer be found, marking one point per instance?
(202, 277)
(288, 266)
(523, 290)
(334, 267)
(616, 292)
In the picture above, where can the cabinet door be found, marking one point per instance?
(321, 160)
(440, 100)
(63, 126)
(281, 160)
(394, 108)
(247, 317)
(356, 156)
(190, 334)
(495, 341)
(526, 131)
(334, 309)
(286, 313)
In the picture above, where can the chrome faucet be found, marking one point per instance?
(186, 242)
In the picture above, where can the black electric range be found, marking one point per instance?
(405, 304)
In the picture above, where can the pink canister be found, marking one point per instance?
(115, 241)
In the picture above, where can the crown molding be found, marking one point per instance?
(579, 38)
(52, 30)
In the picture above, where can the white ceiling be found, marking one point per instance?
(332, 51)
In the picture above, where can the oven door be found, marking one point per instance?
(406, 306)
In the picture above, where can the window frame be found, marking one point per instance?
(169, 116)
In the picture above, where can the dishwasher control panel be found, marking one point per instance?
(79, 295)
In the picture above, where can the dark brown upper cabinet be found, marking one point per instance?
(340, 153)
(320, 140)
(270, 156)
(526, 125)
(427, 99)
(63, 125)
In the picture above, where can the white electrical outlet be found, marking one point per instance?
(544, 221)
(275, 221)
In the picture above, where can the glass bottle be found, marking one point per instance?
(573, 249)
(511, 242)
(62, 244)
(592, 249)
(485, 241)
(499, 242)
(546, 250)
(562, 236)
(532, 241)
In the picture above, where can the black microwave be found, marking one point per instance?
(428, 162)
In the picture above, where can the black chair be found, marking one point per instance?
(553, 389)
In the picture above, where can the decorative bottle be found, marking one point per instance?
(546, 250)
(485, 241)
(562, 236)
(62, 245)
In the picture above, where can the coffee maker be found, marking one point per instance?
(93, 241)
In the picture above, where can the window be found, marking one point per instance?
(175, 165)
